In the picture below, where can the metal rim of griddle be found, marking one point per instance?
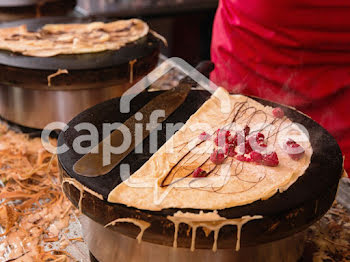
(86, 61)
(284, 213)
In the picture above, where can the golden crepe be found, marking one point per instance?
(170, 178)
(55, 39)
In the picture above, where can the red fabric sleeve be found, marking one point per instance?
(295, 52)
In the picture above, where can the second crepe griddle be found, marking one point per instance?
(110, 58)
(92, 78)
(283, 214)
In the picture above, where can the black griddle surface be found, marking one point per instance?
(321, 176)
(109, 58)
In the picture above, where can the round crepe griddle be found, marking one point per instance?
(109, 58)
(82, 79)
(283, 214)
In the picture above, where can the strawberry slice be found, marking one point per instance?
(229, 150)
(270, 159)
(217, 157)
(278, 112)
(256, 157)
(257, 142)
(204, 136)
(243, 158)
(245, 148)
(293, 149)
(221, 137)
(198, 172)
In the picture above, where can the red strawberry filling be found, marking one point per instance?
(293, 149)
(198, 172)
(246, 130)
(245, 148)
(260, 137)
(243, 158)
(217, 157)
(278, 112)
(223, 133)
(219, 142)
(239, 138)
(222, 136)
(256, 157)
(262, 144)
(204, 136)
(270, 159)
(232, 140)
(229, 150)
(257, 142)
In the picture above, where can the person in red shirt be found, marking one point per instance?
(295, 52)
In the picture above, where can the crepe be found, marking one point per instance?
(166, 179)
(55, 39)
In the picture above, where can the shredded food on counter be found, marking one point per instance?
(33, 208)
(328, 240)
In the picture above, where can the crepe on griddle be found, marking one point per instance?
(55, 39)
(234, 183)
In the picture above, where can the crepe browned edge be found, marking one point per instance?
(55, 39)
(142, 190)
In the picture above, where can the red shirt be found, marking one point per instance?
(295, 52)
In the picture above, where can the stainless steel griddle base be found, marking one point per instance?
(37, 108)
(110, 246)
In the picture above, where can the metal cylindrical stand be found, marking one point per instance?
(109, 246)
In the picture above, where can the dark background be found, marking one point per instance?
(186, 24)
